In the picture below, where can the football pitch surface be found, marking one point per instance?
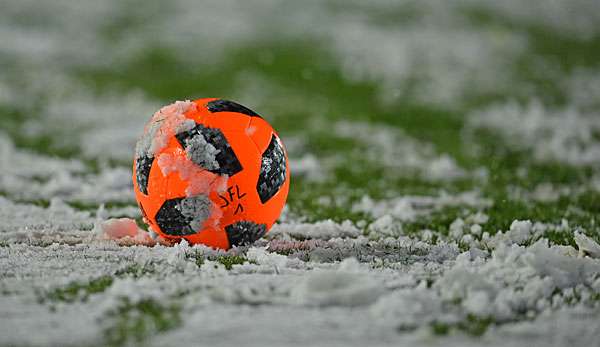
(445, 161)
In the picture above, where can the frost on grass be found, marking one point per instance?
(16, 161)
(399, 153)
(408, 208)
(442, 59)
(100, 127)
(385, 296)
(538, 270)
(531, 278)
(583, 89)
(566, 135)
(587, 246)
(514, 286)
(308, 167)
(575, 18)
(38, 225)
(320, 230)
(348, 286)
(25, 175)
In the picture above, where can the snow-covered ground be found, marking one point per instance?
(445, 163)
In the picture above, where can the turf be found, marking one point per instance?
(306, 86)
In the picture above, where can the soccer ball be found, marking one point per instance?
(210, 171)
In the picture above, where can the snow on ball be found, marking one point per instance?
(210, 171)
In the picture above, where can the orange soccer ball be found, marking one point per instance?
(210, 171)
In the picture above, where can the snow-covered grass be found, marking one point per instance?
(445, 163)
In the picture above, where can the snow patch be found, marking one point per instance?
(346, 286)
(407, 208)
(202, 153)
(587, 246)
(320, 230)
(566, 135)
(399, 153)
(310, 167)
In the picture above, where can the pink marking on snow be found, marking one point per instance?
(125, 232)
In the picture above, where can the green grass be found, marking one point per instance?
(442, 128)
(306, 93)
(13, 124)
(135, 271)
(560, 48)
(227, 260)
(438, 221)
(230, 260)
(79, 291)
(472, 325)
(75, 291)
(546, 47)
(359, 101)
(580, 210)
(84, 206)
(136, 322)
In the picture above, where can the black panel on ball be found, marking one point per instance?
(272, 171)
(226, 158)
(244, 233)
(171, 221)
(229, 106)
(142, 172)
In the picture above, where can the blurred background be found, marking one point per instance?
(377, 98)
(416, 130)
